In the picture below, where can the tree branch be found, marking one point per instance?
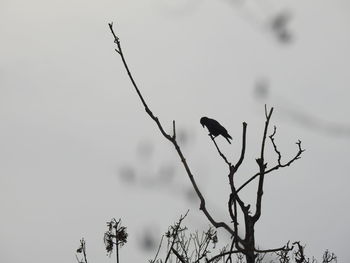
(279, 165)
(284, 248)
(223, 254)
(172, 139)
(244, 136)
(297, 156)
(234, 198)
(220, 153)
(149, 112)
(262, 167)
(178, 255)
(160, 245)
(174, 234)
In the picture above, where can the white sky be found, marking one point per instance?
(70, 119)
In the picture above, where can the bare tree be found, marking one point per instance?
(242, 244)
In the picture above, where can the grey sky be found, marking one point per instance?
(70, 119)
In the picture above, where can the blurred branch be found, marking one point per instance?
(291, 111)
(329, 257)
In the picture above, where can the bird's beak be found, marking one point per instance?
(203, 125)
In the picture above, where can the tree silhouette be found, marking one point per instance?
(243, 244)
(195, 247)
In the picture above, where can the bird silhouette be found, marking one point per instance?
(215, 128)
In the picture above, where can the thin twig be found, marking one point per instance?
(279, 156)
(244, 138)
(160, 245)
(220, 153)
(274, 145)
(174, 131)
(174, 235)
(280, 165)
(117, 41)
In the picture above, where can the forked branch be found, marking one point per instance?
(279, 156)
(279, 164)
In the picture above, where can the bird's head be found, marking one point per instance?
(203, 121)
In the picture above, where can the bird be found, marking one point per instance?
(215, 128)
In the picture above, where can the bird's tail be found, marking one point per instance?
(227, 138)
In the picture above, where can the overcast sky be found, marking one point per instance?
(77, 148)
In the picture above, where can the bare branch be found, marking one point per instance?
(160, 245)
(149, 112)
(220, 153)
(268, 117)
(234, 194)
(202, 200)
(274, 145)
(297, 156)
(174, 131)
(223, 254)
(284, 248)
(244, 136)
(174, 234)
(178, 255)
(170, 138)
(262, 167)
(279, 165)
(247, 245)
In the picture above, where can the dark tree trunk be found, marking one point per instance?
(249, 240)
